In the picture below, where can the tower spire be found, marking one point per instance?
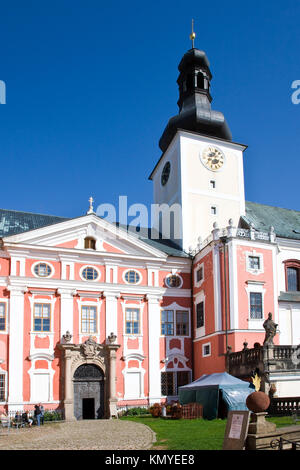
(193, 35)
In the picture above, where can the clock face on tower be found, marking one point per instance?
(212, 158)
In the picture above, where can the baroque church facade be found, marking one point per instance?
(94, 318)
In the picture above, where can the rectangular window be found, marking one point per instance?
(254, 262)
(132, 320)
(200, 315)
(199, 274)
(170, 381)
(213, 210)
(2, 387)
(256, 312)
(2, 316)
(167, 322)
(88, 319)
(41, 317)
(293, 279)
(212, 184)
(206, 350)
(182, 323)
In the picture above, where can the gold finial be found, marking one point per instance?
(192, 35)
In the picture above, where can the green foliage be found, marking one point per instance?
(52, 416)
(136, 411)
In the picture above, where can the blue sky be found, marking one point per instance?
(91, 85)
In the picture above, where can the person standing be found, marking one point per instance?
(42, 413)
(37, 414)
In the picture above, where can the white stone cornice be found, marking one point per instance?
(111, 294)
(42, 292)
(91, 295)
(17, 290)
(66, 292)
(154, 298)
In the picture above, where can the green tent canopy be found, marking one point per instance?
(217, 393)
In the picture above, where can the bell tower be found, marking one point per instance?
(200, 170)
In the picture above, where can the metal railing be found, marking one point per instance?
(281, 443)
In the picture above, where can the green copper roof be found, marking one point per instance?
(286, 222)
(14, 222)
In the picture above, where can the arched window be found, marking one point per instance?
(90, 243)
(200, 81)
(292, 275)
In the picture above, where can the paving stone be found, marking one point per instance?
(80, 435)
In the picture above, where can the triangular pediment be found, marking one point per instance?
(70, 234)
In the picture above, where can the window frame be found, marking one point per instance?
(175, 311)
(174, 375)
(90, 239)
(167, 322)
(131, 322)
(37, 263)
(91, 267)
(203, 314)
(179, 324)
(251, 293)
(5, 316)
(4, 387)
(292, 263)
(132, 283)
(171, 275)
(204, 345)
(42, 331)
(95, 320)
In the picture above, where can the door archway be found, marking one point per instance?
(88, 383)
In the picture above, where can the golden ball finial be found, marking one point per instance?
(192, 36)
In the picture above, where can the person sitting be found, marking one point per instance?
(5, 421)
(26, 419)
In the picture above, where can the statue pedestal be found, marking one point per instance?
(259, 425)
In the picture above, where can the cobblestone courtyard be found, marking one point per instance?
(79, 435)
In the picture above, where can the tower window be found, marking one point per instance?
(213, 210)
(90, 243)
(200, 81)
(200, 314)
(212, 184)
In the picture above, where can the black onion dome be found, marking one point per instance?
(195, 113)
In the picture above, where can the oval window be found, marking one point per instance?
(90, 274)
(132, 277)
(42, 270)
(173, 281)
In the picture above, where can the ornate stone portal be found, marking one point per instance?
(82, 384)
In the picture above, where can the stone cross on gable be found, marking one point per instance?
(91, 208)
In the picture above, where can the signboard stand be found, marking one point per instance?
(236, 430)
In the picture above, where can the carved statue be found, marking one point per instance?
(270, 326)
(67, 337)
(90, 347)
(112, 338)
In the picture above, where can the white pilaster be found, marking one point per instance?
(16, 355)
(111, 313)
(154, 335)
(66, 310)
